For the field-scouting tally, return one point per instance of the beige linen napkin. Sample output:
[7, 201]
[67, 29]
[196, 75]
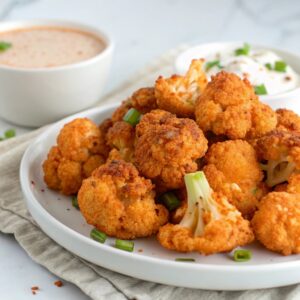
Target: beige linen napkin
[96, 282]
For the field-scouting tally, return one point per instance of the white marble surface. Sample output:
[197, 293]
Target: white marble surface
[142, 31]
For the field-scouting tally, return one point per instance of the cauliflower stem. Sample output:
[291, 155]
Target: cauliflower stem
[200, 200]
[278, 171]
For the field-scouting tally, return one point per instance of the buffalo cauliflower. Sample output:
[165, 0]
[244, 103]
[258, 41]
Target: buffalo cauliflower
[210, 224]
[167, 147]
[287, 120]
[80, 149]
[144, 100]
[232, 169]
[119, 202]
[279, 152]
[277, 222]
[122, 136]
[178, 94]
[228, 106]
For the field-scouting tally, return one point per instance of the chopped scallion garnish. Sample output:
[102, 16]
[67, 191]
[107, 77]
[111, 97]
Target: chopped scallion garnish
[268, 66]
[243, 51]
[132, 117]
[260, 89]
[170, 201]
[9, 133]
[242, 255]
[4, 46]
[98, 236]
[183, 259]
[280, 66]
[211, 64]
[75, 202]
[124, 245]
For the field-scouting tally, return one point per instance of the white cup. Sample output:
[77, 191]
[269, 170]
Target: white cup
[34, 97]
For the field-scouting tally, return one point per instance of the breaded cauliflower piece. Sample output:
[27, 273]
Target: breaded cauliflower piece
[277, 222]
[144, 100]
[167, 147]
[287, 120]
[80, 149]
[228, 106]
[122, 137]
[233, 170]
[119, 202]
[281, 150]
[210, 224]
[178, 94]
[120, 112]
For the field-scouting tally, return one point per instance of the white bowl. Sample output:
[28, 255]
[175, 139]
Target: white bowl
[34, 97]
[290, 99]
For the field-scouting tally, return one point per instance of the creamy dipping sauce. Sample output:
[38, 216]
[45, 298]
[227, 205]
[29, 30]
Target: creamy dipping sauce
[46, 47]
[265, 69]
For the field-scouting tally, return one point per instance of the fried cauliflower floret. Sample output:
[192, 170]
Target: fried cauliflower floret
[233, 169]
[288, 120]
[167, 148]
[80, 149]
[122, 136]
[120, 112]
[281, 151]
[277, 222]
[178, 94]
[210, 224]
[119, 202]
[144, 100]
[228, 106]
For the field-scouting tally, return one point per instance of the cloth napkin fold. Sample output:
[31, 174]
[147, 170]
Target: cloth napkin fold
[98, 283]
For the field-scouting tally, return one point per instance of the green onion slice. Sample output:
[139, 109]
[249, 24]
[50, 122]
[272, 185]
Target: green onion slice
[124, 245]
[98, 236]
[75, 202]
[211, 64]
[260, 90]
[269, 66]
[280, 66]
[4, 46]
[243, 51]
[242, 255]
[183, 259]
[132, 117]
[170, 201]
[9, 133]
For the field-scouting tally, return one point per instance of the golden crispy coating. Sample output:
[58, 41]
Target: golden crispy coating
[122, 136]
[178, 94]
[264, 120]
[220, 235]
[105, 125]
[119, 202]
[144, 100]
[288, 120]
[228, 106]
[232, 168]
[277, 222]
[80, 149]
[120, 112]
[167, 147]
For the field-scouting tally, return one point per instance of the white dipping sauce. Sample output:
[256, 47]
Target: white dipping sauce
[253, 67]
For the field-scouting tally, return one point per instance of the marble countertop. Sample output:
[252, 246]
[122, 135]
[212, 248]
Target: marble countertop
[142, 30]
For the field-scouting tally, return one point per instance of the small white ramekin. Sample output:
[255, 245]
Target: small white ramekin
[289, 100]
[34, 97]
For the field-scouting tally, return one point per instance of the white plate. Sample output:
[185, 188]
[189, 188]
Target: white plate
[64, 224]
